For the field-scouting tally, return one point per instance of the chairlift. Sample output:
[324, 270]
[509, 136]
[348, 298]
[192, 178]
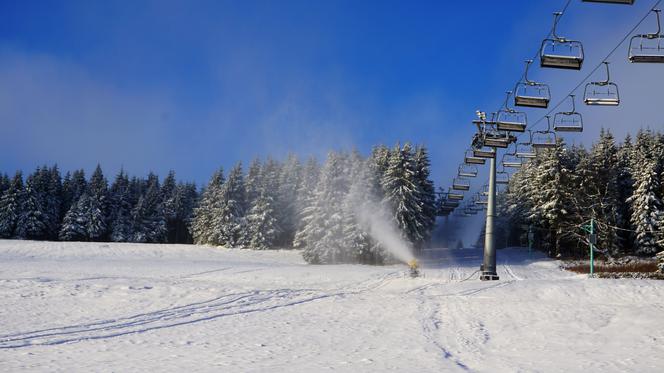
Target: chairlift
[453, 195]
[485, 190]
[531, 94]
[471, 159]
[559, 52]
[467, 170]
[648, 48]
[451, 204]
[603, 92]
[509, 119]
[525, 150]
[481, 199]
[460, 184]
[626, 2]
[487, 133]
[502, 177]
[512, 160]
[485, 153]
[544, 139]
[498, 139]
[568, 121]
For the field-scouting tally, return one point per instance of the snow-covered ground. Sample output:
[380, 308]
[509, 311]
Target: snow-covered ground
[130, 307]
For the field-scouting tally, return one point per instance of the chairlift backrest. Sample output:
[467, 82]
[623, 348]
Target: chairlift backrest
[467, 170]
[460, 184]
[528, 93]
[568, 121]
[546, 139]
[648, 48]
[603, 92]
[509, 119]
[559, 52]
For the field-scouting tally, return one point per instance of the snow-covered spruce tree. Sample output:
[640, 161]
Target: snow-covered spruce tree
[551, 202]
[97, 206]
[202, 228]
[426, 193]
[403, 195]
[261, 228]
[253, 183]
[170, 200]
[323, 233]
[305, 200]
[360, 199]
[10, 206]
[598, 192]
[73, 187]
[228, 210]
[289, 183]
[53, 201]
[149, 223]
[75, 223]
[186, 199]
[120, 220]
[645, 202]
[32, 222]
[625, 185]
[4, 183]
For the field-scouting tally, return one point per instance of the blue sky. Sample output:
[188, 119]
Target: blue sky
[192, 85]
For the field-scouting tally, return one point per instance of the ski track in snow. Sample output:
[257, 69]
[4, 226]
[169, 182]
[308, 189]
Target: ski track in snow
[222, 306]
[145, 307]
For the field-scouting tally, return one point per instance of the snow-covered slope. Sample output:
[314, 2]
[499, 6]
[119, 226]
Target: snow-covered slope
[131, 307]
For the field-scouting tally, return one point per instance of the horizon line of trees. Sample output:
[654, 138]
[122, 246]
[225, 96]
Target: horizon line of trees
[275, 204]
[620, 187]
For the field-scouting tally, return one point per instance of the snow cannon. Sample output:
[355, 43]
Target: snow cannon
[414, 268]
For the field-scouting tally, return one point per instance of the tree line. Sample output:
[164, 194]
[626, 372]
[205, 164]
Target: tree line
[47, 207]
[616, 186]
[313, 207]
[275, 204]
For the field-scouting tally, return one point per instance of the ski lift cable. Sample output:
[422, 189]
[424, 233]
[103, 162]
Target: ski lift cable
[600, 64]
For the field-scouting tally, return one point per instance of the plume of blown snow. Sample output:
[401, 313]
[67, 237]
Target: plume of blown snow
[383, 230]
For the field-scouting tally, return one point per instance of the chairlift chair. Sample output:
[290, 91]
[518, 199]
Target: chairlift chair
[559, 52]
[568, 121]
[525, 150]
[485, 153]
[453, 195]
[511, 160]
[648, 48]
[603, 93]
[461, 184]
[498, 139]
[626, 2]
[509, 119]
[451, 204]
[471, 159]
[467, 170]
[485, 190]
[502, 177]
[531, 94]
[546, 139]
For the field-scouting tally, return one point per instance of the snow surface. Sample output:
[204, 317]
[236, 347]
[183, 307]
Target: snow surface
[140, 307]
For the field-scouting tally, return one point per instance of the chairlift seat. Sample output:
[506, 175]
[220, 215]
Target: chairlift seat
[647, 48]
[512, 164]
[451, 204]
[526, 154]
[483, 153]
[474, 160]
[561, 61]
[455, 196]
[544, 145]
[531, 101]
[568, 122]
[467, 171]
[463, 187]
[511, 126]
[602, 101]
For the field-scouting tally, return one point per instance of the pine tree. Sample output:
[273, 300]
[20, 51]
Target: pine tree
[170, 200]
[305, 200]
[53, 201]
[202, 228]
[289, 183]
[229, 210]
[262, 226]
[120, 220]
[253, 182]
[149, 222]
[402, 193]
[324, 229]
[10, 206]
[76, 221]
[32, 222]
[98, 206]
[426, 193]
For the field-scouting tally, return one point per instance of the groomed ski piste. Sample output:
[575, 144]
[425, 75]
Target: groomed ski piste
[136, 307]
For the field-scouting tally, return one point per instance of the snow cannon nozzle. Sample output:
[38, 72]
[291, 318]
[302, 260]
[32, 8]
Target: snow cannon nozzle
[414, 267]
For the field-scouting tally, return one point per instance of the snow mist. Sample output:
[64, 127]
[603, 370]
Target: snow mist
[382, 229]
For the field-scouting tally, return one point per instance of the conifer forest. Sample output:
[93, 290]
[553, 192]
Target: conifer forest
[316, 206]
